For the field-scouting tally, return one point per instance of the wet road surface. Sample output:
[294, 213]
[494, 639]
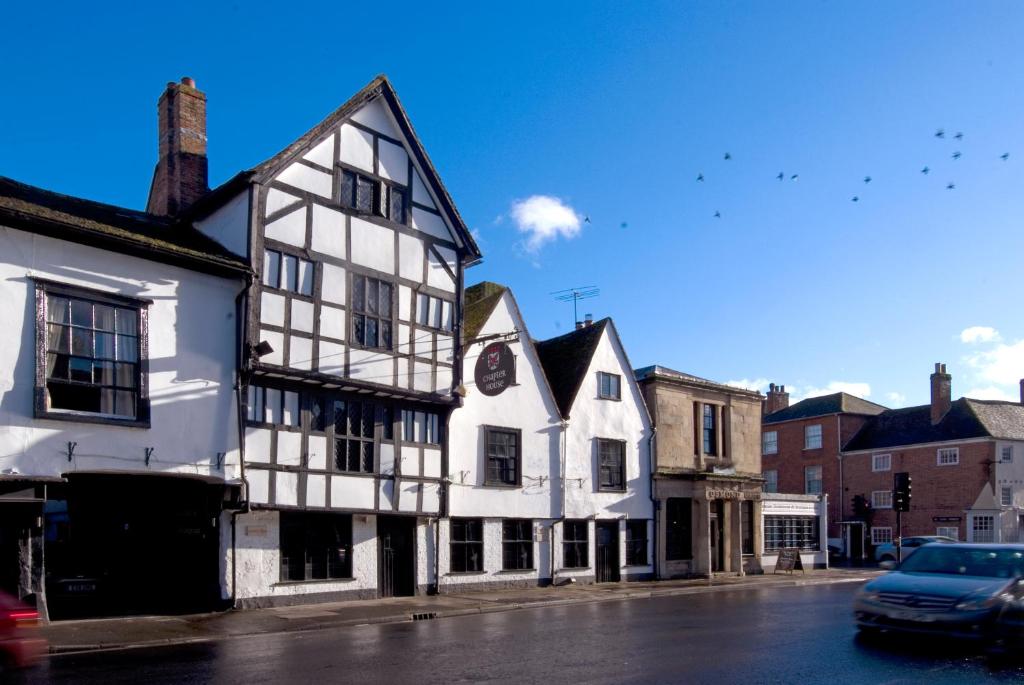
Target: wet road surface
[781, 635]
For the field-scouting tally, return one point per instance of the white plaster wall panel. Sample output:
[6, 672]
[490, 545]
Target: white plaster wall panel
[364, 550]
[300, 353]
[375, 115]
[447, 315]
[371, 365]
[331, 359]
[352, 492]
[286, 490]
[419, 191]
[404, 303]
[229, 225]
[410, 461]
[425, 552]
[408, 500]
[527, 406]
[403, 373]
[278, 199]
[410, 258]
[422, 377]
[445, 348]
[387, 459]
[323, 153]
[272, 309]
[305, 178]
[276, 341]
[290, 228]
[437, 276]
[431, 463]
[404, 346]
[259, 485]
[443, 384]
[317, 452]
[332, 322]
[448, 257]
[423, 343]
[430, 223]
[289, 448]
[316, 490]
[387, 495]
[431, 498]
[257, 445]
[394, 162]
[373, 246]
[328, 232]
[302, 316]
[333, 289]
[356, 147]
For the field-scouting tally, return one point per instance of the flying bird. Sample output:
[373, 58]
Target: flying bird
[925, 171]
[718, 215]
[794, 177]
[586, 219]
[700, 177]
[855, 199]
[950, 186]
[727, 156]
[624, 225]
[956, 155]
[781, 176]
[1005, 156]
[959, 136]
[867, 179]
[940, 133]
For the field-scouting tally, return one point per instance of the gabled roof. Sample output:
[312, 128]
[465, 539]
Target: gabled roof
[115, 228]
[481, 299]
[664, 373]
[836, 403]
[566, 359]
[381, 87]
[913, 425]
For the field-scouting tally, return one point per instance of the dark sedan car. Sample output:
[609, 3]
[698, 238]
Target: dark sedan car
[960, 590]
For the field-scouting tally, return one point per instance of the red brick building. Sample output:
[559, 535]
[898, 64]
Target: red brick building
[801, 444]
[960, 456]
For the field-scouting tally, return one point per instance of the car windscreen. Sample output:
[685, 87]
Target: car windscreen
[988, 563]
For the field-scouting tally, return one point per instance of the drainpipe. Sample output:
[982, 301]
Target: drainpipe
[842, 497]
[654, 499]
[561, 459]
[241, 376]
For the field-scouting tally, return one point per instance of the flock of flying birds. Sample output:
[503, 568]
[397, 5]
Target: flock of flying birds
[782, 176]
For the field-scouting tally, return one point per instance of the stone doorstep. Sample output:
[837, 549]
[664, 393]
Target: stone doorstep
[102, 634]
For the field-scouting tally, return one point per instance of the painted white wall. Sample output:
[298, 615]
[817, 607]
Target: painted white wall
[778, 504]
[191, 350]
[591, 418]
[527, 406]
[492, 570]
[229, 225]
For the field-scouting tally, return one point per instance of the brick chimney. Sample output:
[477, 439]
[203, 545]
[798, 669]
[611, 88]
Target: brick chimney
[777, 399]
[180, 177]
[941, 387]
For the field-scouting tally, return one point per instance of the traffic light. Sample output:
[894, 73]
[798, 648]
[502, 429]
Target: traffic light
[901, 491]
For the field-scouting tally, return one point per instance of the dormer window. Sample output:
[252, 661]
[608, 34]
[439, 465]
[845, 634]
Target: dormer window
[609, 386]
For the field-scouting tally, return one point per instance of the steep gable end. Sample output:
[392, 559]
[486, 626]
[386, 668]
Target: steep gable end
[566, 360]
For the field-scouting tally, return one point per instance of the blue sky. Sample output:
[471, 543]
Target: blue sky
[613, 109]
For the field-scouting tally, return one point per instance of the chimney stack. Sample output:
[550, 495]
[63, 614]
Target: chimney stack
[777, 399]
[588, 320]
[180, 177]
[1022, 390]
[941, 390]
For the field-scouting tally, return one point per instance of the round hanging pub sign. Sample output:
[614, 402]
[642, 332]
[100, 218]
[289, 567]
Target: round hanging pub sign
[495, 369]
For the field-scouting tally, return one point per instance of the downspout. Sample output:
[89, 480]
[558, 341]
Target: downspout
[561, 479]
[842, 498]
[242, 361]
[654, 499]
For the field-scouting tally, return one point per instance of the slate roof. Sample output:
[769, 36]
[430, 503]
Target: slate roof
[480, 300]
[111, 227]
[663, 372]
[566, 359]
[966, 419]
[836, 403]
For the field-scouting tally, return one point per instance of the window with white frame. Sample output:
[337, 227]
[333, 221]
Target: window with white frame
[609, 386]
[982, 528]
[771, 480]
[881, 535]
[812, 437]
[881, 462]
[1006, 496]
[812, 480]
[1006, 456]
[881, 499]
[948, 531]
[433, 312]
[948, 456]
[770, 442]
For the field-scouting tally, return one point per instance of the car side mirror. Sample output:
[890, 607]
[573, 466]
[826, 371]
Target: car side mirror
[887, 565]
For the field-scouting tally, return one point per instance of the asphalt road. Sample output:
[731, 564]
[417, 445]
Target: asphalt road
[783, 635]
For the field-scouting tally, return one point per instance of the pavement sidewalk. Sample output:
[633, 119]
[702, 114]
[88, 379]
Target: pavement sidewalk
[148, 631]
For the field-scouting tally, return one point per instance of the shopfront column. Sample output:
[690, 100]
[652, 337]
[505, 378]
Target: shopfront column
[701, 536]
[735, 535]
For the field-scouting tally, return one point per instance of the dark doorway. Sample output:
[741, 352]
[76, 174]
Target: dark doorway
[715, 536]
[856, 537]
[119, 545]
[607, 551]
[396, 538]
[11, 533]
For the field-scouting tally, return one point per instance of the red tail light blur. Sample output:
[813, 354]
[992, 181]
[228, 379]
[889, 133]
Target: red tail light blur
[24, 618]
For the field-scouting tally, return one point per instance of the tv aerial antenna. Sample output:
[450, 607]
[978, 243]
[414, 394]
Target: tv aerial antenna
[582, 292]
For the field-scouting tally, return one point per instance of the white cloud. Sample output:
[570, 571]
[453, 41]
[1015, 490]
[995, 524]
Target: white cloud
[1003, 364]
[759, 384]
[990, 393]
[979, 334]
[895, 399]
[862, 390]
[544, 218]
